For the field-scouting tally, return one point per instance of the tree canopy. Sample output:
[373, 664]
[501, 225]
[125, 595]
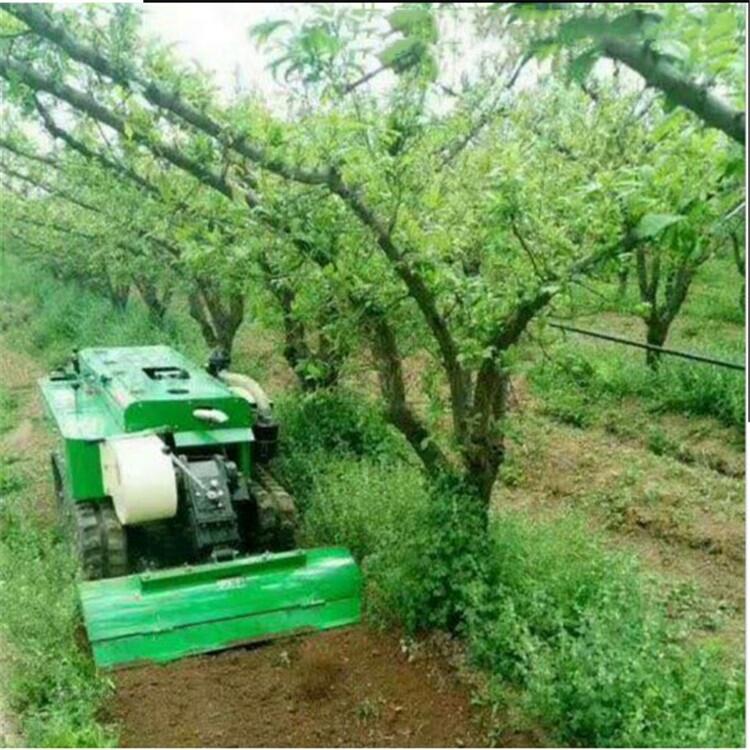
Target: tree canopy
[392, 209]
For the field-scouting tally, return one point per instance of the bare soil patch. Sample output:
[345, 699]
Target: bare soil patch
[354, 687]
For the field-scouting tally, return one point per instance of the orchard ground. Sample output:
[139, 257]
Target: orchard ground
[662, 484]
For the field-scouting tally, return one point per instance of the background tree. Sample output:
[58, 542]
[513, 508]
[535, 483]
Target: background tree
[373, 216]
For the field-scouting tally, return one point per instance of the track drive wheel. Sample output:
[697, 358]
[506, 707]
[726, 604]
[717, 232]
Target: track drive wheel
[100, 540]
[277, 514]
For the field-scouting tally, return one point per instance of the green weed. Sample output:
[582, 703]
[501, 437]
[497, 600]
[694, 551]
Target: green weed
[582, 382]
[575, 624]
[7, 410]
[53, 685]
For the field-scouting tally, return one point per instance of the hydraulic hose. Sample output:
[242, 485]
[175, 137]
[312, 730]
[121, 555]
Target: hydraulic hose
[250, 390]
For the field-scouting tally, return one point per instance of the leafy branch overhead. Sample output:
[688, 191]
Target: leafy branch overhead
[686, 53]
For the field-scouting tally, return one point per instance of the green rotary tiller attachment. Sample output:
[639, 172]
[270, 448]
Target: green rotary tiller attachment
[168, 614]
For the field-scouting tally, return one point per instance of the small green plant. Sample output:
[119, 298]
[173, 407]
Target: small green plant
[576, 626]
[367, 710]
[52, 684]
[659, 443]
[9, 479]
[7, 410]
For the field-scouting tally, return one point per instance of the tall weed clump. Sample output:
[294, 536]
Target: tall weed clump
[576, 627]
[358, 485]
[578, 379]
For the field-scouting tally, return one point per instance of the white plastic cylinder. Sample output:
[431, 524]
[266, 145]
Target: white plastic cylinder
[140, 479]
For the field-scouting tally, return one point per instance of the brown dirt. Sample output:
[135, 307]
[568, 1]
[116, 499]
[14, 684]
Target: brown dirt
[353, 687]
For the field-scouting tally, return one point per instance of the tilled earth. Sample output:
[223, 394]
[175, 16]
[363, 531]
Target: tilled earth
[353, 687]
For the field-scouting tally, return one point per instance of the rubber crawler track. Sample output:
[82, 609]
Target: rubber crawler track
[277, 514]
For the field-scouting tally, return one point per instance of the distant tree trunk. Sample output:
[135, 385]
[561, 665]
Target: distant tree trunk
[739, 261]
[327, 360]
[117, 293]
[665, 294]
[656, 335]
[622, 282]
[218, 314]
[155, 303]
[330, 359]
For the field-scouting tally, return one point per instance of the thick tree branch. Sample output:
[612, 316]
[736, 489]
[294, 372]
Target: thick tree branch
[41, 23]
[391, 377]
[422, 295]
[57, 132]
[660, 74]
[11, 69]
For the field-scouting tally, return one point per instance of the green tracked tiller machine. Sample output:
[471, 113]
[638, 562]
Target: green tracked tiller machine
[186, 540]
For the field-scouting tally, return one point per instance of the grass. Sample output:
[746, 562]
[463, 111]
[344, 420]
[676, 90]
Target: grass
[549, 611]
[715, 297]
[7, 408]
[51, 683]
[581, 380]
[48, 318]
[579, 628]
[581, 377]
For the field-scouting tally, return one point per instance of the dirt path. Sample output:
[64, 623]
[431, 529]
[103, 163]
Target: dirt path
[353, 687]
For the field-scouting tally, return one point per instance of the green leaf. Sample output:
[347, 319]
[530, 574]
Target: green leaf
[543, 48]
[263, 30]
[414, 21]
[651, 225]
[532, 11]
[582, 27]
[673, 49]
[735, 167]
[402, 54]
[633, 22]
[430, 68]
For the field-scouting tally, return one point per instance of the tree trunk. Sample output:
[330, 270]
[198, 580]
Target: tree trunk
[198, 313]
[484, 452]
[117, 293]
[218, 313]
[388, 361]
[622, 282]
[656, 335]
[739, 261]
[156, 305]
